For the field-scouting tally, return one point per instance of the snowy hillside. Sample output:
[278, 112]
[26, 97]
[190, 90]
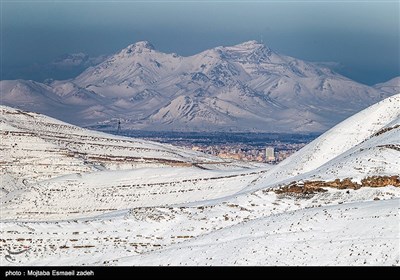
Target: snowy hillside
[364, 144]
[70, 196]
[70, 164]
[43, 141]
[392, 86]
[334, 235]
[246, 87]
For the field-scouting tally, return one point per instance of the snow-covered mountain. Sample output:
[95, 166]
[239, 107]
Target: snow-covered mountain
[392, 86]
[246, 87]
[71, 196]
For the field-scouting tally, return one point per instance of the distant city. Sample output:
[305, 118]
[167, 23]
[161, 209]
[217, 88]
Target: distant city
[252, 147]
[269, 154]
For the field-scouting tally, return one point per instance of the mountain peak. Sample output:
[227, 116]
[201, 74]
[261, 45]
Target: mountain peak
[144, 45]
[253, 44]
[250, 51]
[249, 43]
[138, 47]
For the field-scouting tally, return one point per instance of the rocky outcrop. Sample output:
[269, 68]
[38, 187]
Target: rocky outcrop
[381, 181]
[384, 130]
[311, 187]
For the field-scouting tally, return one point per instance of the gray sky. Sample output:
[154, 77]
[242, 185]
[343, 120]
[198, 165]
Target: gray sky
[364, 37]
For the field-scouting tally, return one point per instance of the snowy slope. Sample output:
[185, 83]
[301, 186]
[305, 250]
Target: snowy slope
[175, 213]
[29, 94]
[66, 171]
[379, 155]
[88, 195]
[360, 142]
[37, 147]
[392, 86]
[119, 237]
[246, 87]
[350, 234]
[63, 100]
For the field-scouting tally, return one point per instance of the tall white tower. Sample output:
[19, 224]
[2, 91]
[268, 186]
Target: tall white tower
[270, 154]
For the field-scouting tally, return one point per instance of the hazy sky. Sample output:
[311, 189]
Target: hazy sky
[362, 36]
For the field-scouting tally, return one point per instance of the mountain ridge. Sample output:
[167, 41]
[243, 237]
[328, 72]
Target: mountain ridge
[242, 88]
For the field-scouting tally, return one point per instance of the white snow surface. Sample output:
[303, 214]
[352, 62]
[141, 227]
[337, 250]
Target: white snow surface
[391, 86]
[331, 235]
[354, 148]
[71, 196]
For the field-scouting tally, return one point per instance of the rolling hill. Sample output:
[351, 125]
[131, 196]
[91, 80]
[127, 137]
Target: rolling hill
[71, 196]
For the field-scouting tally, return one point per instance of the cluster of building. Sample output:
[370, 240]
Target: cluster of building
[268, 154]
